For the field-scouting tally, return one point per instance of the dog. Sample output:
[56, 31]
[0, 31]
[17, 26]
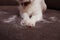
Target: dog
[31, 11]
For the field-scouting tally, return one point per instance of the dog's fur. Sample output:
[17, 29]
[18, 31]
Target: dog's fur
[32, 12]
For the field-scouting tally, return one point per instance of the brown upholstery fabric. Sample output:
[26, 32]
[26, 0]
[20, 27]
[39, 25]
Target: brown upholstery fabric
[43, 30]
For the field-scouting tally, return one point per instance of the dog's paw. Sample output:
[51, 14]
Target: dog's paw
[28, 23]
[22, 22]
[31, 23]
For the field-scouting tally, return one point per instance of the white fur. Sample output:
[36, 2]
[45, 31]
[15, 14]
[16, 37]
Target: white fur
[35, 9]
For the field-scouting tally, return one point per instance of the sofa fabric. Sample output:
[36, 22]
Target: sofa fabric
[12, 30]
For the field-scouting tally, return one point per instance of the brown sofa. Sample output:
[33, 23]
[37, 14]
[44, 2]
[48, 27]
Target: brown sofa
[47, 30]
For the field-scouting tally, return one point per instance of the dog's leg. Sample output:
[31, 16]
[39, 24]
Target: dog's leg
[37, 16]
[25, 19]
[25, 15]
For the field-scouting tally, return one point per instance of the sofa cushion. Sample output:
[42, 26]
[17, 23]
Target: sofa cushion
[54, 4]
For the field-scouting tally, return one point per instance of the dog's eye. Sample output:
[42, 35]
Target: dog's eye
[25, 3]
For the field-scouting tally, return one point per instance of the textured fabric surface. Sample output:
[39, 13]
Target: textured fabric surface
[12, 30]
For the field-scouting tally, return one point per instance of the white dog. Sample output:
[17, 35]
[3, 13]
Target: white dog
[32, 12]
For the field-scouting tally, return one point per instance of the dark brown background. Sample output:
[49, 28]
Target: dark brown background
[55, 4]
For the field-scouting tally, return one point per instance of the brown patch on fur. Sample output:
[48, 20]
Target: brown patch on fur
[25, 4]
